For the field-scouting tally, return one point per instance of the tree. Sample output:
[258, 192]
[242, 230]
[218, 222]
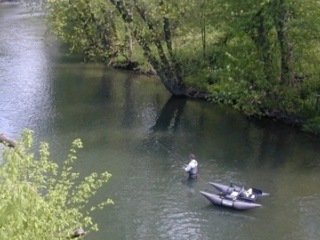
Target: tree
[259, 56]
[41, 201]
[152, 25]
[276, 28]
[88, 27]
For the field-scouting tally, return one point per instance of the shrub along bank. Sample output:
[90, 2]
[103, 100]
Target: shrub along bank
[39, 200]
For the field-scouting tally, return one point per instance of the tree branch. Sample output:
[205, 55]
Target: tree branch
[7, 141]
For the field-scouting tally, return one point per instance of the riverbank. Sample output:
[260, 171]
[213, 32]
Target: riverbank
[268, 113]
[257, 75]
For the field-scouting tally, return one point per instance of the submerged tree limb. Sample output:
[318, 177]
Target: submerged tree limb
[7, 141]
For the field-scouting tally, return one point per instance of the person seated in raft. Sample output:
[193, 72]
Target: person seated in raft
[233, 195]
[192, 167]
[248, 193]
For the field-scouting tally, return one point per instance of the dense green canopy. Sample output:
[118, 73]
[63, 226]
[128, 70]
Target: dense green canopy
[259, 56]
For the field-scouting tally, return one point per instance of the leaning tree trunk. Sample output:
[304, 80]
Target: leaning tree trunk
[165, 64]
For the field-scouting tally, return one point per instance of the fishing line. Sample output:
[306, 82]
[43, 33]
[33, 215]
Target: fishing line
[199, 179]
[177, 155]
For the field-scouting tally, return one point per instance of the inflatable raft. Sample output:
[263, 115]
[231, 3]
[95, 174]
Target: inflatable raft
[224, 200]
[246, 194]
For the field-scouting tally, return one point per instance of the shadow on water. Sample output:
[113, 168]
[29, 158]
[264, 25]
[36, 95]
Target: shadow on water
[229, 212]
[106, 87]
[170, 114]
[128, 105]
[160, 138]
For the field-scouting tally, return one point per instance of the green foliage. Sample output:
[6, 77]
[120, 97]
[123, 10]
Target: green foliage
[239, 95]
[312, 125]
[286, 100]
[38, 200]
[89, 27]
[259, 56]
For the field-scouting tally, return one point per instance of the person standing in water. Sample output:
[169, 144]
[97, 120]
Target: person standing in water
[192, 167]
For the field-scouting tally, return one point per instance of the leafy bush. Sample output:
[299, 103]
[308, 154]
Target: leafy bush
[312, 125]
[39, 200]
[239, 94]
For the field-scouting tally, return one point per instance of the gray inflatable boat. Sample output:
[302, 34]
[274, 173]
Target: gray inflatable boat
[246, 194]
[222, 200]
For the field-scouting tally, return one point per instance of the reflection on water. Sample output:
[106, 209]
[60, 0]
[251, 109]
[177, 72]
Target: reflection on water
[25, 72]
[132, 127]
[170, 114]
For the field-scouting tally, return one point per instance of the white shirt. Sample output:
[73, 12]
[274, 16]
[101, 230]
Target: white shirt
[192, 164]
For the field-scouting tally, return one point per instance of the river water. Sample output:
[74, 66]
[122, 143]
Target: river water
[131, 127]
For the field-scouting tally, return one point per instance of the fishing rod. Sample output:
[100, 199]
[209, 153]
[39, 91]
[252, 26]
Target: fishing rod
[177, 155]
[180, 157]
